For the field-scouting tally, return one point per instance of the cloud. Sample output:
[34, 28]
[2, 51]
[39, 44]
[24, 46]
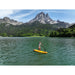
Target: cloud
[5, 12]
[57, 11]
[14, 14]
[20, 16]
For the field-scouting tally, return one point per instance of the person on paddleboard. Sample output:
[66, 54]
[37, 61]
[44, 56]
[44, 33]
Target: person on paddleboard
[39, 48]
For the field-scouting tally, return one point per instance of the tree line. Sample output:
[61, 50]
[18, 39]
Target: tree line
[35, 29]
[64, 32]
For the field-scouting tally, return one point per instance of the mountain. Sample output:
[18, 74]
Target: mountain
[43, 18]
[41, 25]
[10, 21]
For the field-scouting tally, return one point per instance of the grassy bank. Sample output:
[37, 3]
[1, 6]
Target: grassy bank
[35, 36]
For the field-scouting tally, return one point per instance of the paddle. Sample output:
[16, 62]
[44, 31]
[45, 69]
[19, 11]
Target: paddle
[43, 47]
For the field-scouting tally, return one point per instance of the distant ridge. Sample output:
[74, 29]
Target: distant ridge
[43, 18]
[10, 21]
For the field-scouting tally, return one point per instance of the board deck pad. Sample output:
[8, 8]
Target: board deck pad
[39, 51]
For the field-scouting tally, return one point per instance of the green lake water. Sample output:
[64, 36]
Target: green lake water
[19, 51]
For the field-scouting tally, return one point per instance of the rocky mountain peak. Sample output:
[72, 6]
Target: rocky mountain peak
[41, 14]
[47, 15]
[6, 18]
[43, 18]
[10, 21]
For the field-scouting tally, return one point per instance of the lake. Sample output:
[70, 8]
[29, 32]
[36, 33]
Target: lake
[19, 51]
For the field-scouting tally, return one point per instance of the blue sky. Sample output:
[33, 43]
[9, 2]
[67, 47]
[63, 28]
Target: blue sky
[26, 15]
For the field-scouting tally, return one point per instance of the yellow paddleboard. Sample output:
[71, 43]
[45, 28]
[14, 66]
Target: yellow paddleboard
[44, 52]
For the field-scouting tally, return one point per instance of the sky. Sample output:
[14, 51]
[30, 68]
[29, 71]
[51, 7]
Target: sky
[22, 15]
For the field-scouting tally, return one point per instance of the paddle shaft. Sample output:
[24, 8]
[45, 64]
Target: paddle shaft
[43, 47]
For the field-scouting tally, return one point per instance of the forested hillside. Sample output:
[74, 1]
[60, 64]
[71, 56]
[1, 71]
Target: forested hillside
[64, 32]
[35, 29]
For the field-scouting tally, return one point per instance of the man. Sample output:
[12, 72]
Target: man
[39, 48]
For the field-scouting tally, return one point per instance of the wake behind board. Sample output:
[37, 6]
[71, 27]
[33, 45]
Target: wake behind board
[39, 51]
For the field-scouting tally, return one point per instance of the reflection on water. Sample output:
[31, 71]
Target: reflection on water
[19, 51]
